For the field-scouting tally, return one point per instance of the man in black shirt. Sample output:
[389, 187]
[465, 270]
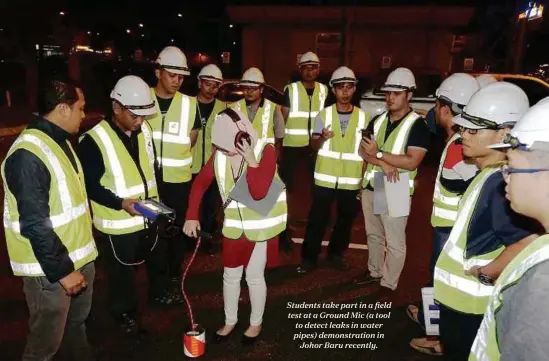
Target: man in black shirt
[49, 234]
[118, 161]
[398, 142]
[207, 108]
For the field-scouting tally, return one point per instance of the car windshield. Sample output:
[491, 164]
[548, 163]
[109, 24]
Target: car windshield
[427, 85]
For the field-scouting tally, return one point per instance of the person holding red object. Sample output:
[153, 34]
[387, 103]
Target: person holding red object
[250, 240]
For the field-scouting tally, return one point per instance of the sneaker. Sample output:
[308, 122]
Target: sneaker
[366, 278]
[306, 267]
[427, 346]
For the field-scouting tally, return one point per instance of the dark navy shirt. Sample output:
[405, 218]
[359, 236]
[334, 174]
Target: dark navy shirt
[493, 223]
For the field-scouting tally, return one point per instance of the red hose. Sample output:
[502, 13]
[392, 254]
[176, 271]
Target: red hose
[189, 307]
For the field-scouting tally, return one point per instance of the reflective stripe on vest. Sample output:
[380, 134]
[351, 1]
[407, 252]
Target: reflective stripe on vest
[445, 203]
[34, 269]
[120, 169]
[239, 218]
[203, 147]
[297, 131]
[70, 217]
[173, 143]
[453, 288]
[265, 127]
[394, 144]
[486, 345]
[338, 163]
[70, 211]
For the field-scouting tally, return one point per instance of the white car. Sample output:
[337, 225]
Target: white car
[373, 100]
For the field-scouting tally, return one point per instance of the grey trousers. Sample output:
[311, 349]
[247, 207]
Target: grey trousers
[55, 317]
[386, 238]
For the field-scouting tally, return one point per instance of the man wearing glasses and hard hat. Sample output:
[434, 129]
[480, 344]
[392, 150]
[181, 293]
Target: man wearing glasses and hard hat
[487, 234]
[515, 323]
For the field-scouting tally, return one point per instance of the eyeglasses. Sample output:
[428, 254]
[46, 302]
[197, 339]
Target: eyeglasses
[506, 170]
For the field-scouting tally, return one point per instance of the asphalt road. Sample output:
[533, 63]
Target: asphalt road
[278, 339]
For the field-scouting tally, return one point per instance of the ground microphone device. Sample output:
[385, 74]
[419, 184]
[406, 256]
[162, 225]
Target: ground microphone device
[152, 209]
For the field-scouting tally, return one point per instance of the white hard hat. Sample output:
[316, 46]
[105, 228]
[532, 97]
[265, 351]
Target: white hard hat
[531, 128]
[486, 79]
[252, 77]
[211, 72]
[135, 95]
[343, 75]
[399, 80]
[498, 104]
[308, 58]
[458, 88]
[544, 100]
[173, 60]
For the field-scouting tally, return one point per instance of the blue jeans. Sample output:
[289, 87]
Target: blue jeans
[440, 236]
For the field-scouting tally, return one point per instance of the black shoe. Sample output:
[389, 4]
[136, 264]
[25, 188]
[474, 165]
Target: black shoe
[336, 262]
[217, 338]
[366, 279]
[248, 341]
[130, 324]
[305, 268]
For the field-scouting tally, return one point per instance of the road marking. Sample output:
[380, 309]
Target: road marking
[325, 243]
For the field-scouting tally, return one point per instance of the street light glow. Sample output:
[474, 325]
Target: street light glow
[230, 26]
[61, 13]
[234, 42]
[180, 15]
[128, 31]
[140, 25]
[89, 32]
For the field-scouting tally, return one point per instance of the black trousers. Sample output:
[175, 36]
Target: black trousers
[293, 158]
[319, 217]
[457, 333]
[121, 251]
[176, 196]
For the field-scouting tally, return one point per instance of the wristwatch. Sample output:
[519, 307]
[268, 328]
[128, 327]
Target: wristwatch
[379, 155]
[484, 279]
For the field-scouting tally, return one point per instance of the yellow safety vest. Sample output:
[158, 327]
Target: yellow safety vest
[69, 211]
[122, 177]
[173, 142]
[239, 218]
[395, 144]
[202, 150]
[297, 132]
[445, 203]
[486, 345]
[338, 164]
[263, 121]
[453, 288]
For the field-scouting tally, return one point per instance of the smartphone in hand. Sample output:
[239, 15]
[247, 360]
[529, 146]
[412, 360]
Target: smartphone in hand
[366, 133]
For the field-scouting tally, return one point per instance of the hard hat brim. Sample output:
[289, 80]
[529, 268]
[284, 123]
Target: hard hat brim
[393, 88]
[209, 77]
[144, 112]
[251, 83]
[309, 62]
[175, 69]
[462, 122]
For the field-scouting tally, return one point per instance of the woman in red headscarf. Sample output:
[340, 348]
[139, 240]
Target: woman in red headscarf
[250, 240]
